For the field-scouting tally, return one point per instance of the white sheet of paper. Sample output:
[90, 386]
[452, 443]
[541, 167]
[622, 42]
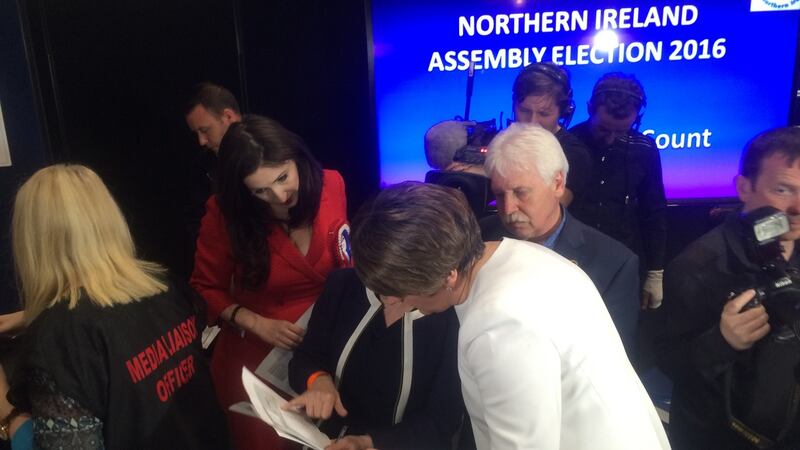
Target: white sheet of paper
[245, 408]
[209, 334]
[290, 425]
[275, 367]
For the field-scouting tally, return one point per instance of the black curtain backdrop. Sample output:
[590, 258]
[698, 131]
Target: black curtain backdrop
[308, 66]
[28, 150]
[110, 80]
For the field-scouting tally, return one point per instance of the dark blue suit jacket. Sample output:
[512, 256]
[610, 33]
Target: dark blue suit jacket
[612, 267]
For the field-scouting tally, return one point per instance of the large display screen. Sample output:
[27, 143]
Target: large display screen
[715, 72]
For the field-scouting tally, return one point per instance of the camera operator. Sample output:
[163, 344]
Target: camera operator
[542, 94]
[733, 366]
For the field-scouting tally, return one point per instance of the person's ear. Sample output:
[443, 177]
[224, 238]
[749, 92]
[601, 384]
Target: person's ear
[744, 188]
[559, 183]
[451, 280]
[389, 300]
[229, 116]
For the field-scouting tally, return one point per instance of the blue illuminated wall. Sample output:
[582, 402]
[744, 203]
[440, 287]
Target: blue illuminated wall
[737, 83]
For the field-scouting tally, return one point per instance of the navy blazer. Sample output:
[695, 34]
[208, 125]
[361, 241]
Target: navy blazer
[612, 267]
[372, 376]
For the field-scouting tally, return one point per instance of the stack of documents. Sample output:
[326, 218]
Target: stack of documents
[265, 404]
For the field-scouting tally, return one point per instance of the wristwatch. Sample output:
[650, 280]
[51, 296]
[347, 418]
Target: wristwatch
[5, 424]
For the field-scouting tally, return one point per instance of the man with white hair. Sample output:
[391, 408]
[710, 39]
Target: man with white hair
[528, 172]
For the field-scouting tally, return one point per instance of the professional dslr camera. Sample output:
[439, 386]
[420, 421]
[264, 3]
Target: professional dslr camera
[779, 284]
[478, 138]
[778, 289]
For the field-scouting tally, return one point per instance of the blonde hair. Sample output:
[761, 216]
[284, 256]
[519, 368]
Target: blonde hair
[70, 240]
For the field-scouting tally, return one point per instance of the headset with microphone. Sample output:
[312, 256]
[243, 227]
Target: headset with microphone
[637, 95]
[560, 76]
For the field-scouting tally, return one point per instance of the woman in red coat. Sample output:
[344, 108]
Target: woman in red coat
[267, 242]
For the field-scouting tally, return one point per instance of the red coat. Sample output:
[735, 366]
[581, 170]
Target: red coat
[295, 281]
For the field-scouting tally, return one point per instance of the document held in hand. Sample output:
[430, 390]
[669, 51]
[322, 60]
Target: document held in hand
[275, 367]
[266, 403]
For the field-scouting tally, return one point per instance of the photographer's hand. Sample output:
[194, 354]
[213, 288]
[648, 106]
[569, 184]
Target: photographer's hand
[741, 329]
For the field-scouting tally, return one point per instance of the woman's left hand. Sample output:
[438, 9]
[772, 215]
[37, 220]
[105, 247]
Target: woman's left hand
[11, 324]
[279, 333]
[362, 442]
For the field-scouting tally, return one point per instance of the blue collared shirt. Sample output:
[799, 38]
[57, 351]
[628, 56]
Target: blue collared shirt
[550, 242]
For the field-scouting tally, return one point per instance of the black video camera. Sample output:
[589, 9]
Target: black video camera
[478, 138]
[778, 288]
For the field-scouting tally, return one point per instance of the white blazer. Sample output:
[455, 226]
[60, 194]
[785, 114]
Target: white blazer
[541, 363]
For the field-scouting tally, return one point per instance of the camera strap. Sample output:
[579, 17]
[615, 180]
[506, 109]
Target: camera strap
[755, 438]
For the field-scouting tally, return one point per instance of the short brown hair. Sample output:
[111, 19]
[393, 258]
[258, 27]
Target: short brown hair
[545, 78]
[784, 141]
[212, 97]
[621, 94]
[411, 235]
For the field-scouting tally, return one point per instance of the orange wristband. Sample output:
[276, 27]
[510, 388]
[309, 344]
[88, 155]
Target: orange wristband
[313, 378]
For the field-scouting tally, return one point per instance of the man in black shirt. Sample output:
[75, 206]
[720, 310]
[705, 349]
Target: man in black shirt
[625, 198]
[542, 94]
[209, 111]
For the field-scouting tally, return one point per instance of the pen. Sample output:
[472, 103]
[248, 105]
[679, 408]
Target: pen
[341, 433]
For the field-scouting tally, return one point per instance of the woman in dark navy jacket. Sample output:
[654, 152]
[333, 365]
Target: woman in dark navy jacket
[381, 375]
